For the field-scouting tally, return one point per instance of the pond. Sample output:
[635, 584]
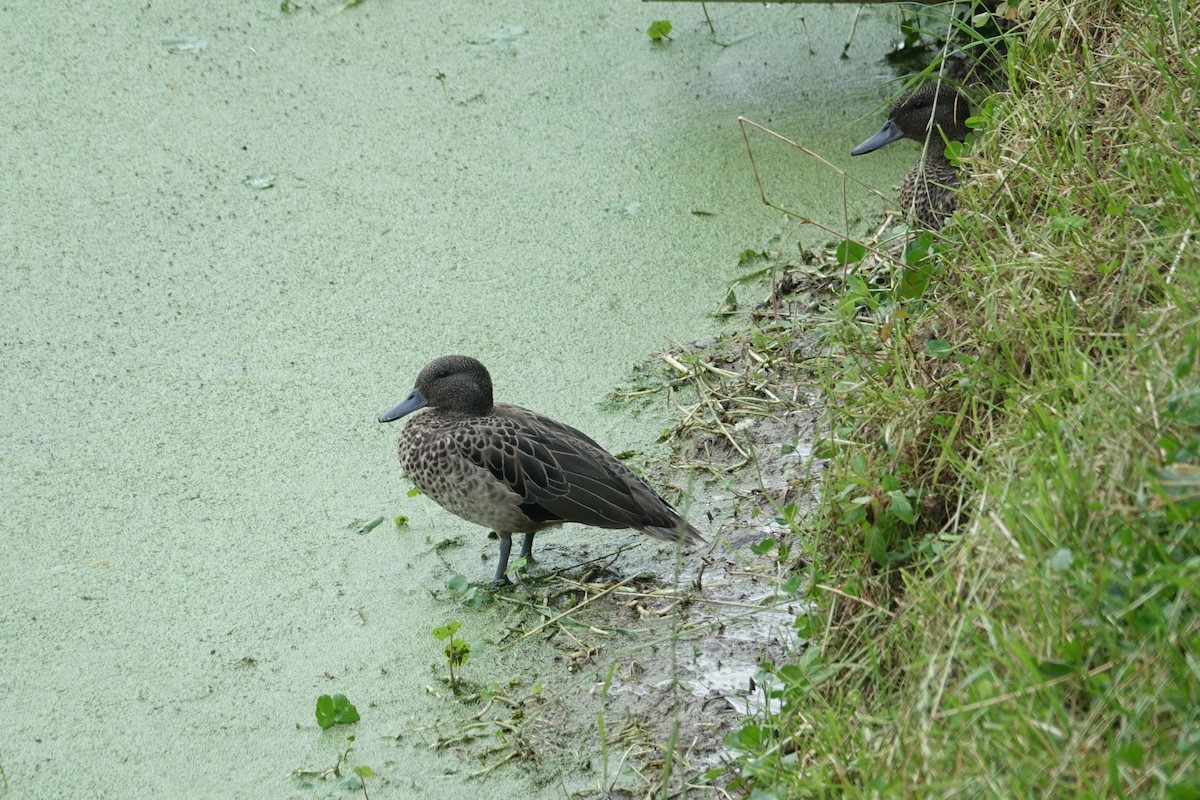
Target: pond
[233, 233]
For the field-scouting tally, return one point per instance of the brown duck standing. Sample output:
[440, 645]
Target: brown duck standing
[935, 114]
[515, 471]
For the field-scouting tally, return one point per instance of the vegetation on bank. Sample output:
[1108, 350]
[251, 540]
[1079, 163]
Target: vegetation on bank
[1006, 562]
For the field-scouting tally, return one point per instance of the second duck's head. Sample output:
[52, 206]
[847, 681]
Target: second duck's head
[919, 113]
[458, 384]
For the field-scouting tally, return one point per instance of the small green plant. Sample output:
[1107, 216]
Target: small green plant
[362, 772]
[471, 596]
[458, 650]
[335, 710]
[517, 567]
[658, 30]
[354, 782]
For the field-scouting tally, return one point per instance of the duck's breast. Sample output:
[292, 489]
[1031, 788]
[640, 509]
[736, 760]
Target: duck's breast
[433, 456]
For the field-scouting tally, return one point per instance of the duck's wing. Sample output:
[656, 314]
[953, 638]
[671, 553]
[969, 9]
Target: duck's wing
[561, 474]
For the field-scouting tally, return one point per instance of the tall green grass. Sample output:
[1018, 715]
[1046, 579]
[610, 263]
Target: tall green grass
[1007, 560]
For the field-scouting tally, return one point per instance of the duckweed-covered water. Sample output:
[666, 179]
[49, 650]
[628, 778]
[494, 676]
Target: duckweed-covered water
[232, 235]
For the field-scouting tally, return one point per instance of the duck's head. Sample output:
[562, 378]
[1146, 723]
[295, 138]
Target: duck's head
[451, 383]
[918, 113]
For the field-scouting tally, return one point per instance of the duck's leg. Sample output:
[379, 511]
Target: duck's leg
[505, 548]
[527, 548]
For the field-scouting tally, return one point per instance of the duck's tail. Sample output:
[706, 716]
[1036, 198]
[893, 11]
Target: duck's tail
[681, 532]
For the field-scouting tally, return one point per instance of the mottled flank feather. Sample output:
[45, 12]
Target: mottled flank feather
[515, 471]
[928, 193]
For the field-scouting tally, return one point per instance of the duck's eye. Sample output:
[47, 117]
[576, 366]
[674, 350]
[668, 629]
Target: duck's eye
[442, 373]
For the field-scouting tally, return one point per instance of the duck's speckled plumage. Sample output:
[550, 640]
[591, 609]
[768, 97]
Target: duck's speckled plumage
[930, 114]
[513, 470]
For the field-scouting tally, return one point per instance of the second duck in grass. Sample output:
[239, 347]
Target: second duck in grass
[515, 471]
[936, 114]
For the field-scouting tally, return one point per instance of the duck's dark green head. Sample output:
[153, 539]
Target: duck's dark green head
[451, 383]
[919, 112]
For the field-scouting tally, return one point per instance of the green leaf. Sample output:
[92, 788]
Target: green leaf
[877, 546]
[901, 508]
[806, 627]
[1067, 222]
[325, 711]
[763, 547]
[364, 771]
[984, 114]
[414, 492]
[446, 631]
[953, 151]
[918, 250]
[794, 675]
[939, 349]
[1132, 754]
[474, 598]
[914, 281]
[1050, 668]
[457, 583]
[749, 737]
[335, 710]
[659, 29]
[458, 652]
[849, 252]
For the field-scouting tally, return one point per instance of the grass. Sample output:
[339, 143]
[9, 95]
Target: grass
[1008, 531]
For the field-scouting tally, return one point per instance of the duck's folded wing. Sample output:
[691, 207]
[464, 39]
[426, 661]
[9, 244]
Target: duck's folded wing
[561, 474]
[604, 488]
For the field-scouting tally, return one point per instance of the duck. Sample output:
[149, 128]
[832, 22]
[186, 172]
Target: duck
[932, 113]
[513, 470]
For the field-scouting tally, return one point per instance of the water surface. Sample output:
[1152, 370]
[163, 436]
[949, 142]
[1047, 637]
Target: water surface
[232, 236]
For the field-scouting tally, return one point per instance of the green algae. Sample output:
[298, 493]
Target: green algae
[193, 367]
